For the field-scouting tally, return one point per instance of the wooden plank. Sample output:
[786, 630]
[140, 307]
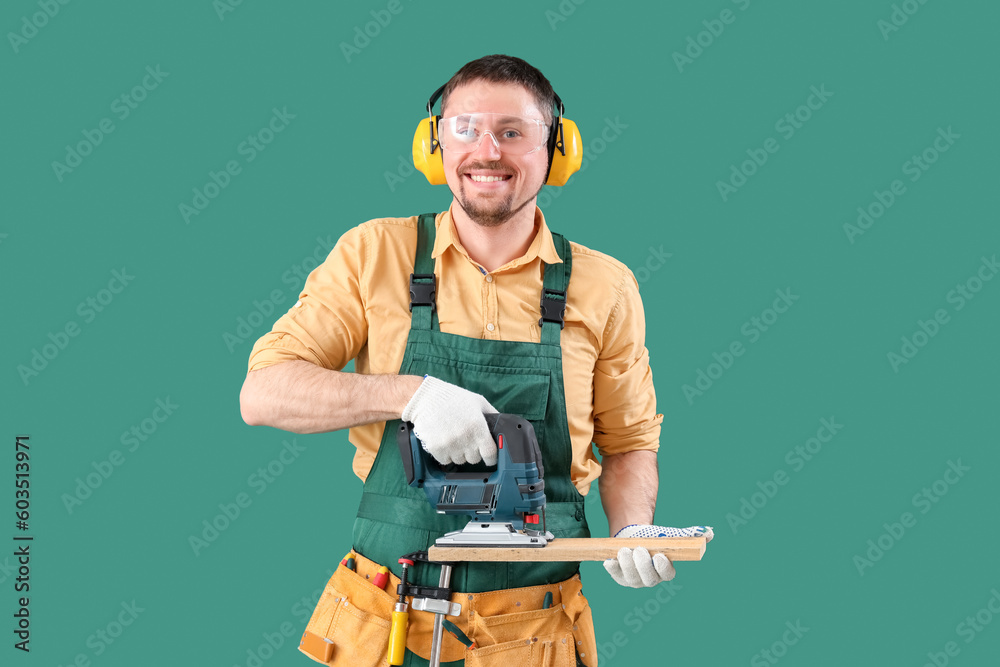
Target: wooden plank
[576, 549]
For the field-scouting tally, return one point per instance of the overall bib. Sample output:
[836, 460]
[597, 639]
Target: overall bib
[521, 378]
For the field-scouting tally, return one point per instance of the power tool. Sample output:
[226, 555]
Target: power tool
[506, 503]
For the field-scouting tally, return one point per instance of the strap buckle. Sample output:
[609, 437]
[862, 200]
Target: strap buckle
[422, 293]
[553, 307]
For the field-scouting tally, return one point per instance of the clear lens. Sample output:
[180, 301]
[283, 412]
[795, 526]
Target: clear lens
[514, 135]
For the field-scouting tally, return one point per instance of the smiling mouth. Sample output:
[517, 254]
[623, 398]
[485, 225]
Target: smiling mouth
[487, 179]
[478, 178]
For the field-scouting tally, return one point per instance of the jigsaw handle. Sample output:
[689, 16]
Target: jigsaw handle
[520, 447]
[512, 492]
[403, 437]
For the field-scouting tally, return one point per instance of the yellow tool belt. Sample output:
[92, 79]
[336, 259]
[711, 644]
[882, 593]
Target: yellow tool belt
[350, 625]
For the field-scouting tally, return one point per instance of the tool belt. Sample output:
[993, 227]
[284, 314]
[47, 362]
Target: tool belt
[350, 625]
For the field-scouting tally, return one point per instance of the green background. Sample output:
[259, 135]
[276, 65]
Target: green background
[653, 188]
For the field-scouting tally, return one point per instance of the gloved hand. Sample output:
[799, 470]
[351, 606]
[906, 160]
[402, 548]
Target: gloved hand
[635, 568]
[449, 422]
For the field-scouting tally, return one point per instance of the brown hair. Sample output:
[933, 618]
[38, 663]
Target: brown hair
[505, 69]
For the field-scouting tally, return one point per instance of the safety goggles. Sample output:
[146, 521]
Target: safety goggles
[511, 134]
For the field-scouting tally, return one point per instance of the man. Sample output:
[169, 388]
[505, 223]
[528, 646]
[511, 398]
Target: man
[481, 345]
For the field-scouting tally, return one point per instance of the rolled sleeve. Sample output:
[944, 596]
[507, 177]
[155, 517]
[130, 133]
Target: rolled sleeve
[625, 417]
[327, 325]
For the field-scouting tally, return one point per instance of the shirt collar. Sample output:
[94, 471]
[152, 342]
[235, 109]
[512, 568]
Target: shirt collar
[541, 246]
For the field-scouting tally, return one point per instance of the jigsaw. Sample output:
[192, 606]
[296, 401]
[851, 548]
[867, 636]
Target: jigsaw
[505, 503]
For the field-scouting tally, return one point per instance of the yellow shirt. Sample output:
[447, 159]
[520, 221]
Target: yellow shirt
[345, 311]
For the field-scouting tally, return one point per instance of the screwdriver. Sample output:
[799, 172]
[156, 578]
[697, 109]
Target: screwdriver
[400, 620]
[458, 634]
[381, 578]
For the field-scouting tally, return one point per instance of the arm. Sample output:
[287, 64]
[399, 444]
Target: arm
[302, 397]
[292, 383]
[628, 485]
[626, 423]
[627, 430]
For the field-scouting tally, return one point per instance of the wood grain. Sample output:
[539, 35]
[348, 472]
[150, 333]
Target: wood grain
[576, 549]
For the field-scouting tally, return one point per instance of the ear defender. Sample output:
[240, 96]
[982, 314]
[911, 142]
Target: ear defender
[564, 145]
[427, 151]
[565, 149]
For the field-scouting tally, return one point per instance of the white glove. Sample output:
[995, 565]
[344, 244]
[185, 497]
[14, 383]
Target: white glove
[449, 422]
[635, 568]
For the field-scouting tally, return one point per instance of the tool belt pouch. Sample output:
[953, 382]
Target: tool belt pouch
[350, 625]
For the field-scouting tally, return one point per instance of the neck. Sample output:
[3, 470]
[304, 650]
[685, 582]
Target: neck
[492, 247]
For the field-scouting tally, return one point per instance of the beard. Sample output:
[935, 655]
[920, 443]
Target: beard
[490, 212]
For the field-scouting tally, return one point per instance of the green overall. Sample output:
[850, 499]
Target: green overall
[521, 378]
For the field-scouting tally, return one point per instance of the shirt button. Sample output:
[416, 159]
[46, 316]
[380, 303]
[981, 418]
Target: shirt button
[490, 327]
[489, 278]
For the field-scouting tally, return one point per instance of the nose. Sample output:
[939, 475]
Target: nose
[487, 150]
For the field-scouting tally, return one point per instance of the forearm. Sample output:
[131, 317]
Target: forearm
[301, 397]
[628, 486]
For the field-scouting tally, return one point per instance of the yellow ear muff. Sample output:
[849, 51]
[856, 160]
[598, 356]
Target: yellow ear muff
[568, 153]
[427, 152]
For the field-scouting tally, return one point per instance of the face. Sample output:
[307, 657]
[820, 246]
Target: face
[491, 203]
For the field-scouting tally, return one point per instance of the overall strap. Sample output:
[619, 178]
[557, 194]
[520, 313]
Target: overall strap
[556, 280]
[423, 284]
[422, 281]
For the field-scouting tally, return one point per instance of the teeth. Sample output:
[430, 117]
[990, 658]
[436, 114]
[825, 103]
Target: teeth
[487, 179]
